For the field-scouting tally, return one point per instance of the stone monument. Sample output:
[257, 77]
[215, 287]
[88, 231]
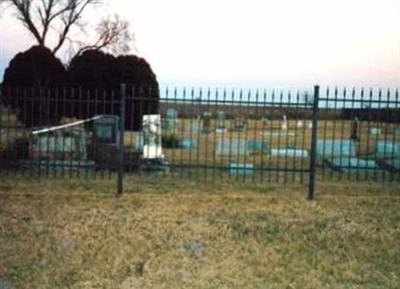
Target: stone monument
[152, 148]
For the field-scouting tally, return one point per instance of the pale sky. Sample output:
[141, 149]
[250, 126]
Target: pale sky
[259, 43]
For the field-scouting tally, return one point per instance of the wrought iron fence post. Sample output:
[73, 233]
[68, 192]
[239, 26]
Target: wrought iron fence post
[121, 139]
[313, 157]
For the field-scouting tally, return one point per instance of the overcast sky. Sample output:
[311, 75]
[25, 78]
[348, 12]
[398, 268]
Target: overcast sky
[254, 42]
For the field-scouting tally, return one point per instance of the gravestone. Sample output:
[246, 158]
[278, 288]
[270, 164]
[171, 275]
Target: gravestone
[106, 138]
[284, 125]
[387, 149]
[171, 120]
[206, 118]
[336, 148]
[277, 133]
[354, 128]
[188, 143]
[396, 131]
[64, 144]
[152, 148]
[310, 125]
[231, 146]
[375, 131]
[352, 163]
[139, 141]
[300, 124]
[265, 121]
[221, 122]
[240, 123]
[241, 169]
[289, 152]
[106, 130]
[256, 146]
[393, 164]
[194, 126]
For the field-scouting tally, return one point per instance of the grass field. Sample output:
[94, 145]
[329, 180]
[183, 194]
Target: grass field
[170, 234]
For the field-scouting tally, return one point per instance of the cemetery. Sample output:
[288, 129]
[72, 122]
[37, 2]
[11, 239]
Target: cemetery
[221, 178]
[238, 159]
[216, 165]
[212, 138]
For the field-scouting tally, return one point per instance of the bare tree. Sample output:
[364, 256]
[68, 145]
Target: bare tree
[113, 35]
[42, 16]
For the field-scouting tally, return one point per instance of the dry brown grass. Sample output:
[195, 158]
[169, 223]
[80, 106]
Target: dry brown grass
[187, 234]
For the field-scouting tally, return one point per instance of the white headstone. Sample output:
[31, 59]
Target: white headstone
[310, 125]
[152, 148]
[289, 152]
[284, 123]
[300, 124]
[375, 131]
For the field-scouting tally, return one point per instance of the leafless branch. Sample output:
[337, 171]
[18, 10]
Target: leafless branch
[113, 35]
[38, 16]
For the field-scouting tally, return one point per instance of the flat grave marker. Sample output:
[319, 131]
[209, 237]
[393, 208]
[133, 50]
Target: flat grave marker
[277, 133]
[257, 146]
[289, 152]
[393, 164]
[188, 143]
[387, 149]
[231, 146]
[396, 131]
[336, 148]
[241, 168]
[352, 163]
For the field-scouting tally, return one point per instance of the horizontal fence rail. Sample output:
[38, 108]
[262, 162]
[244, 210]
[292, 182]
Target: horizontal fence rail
[256, 135]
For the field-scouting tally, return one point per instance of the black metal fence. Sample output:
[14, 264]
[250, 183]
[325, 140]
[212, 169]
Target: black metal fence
[261, 136]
